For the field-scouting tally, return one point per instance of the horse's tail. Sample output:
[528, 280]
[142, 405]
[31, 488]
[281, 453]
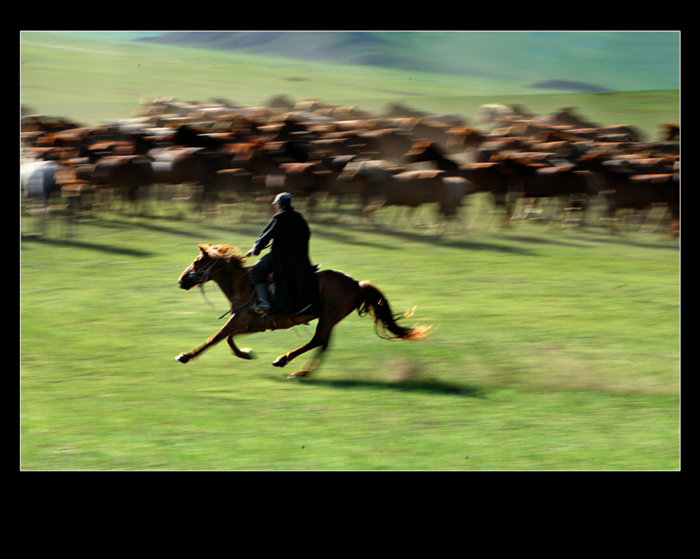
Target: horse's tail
[371, 299]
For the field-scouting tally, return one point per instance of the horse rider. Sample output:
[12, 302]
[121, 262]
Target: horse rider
[295, 280]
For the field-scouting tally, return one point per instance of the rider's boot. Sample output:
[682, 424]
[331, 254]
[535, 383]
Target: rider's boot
[262, 305]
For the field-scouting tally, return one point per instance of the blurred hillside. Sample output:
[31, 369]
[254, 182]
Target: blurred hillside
[563, 61]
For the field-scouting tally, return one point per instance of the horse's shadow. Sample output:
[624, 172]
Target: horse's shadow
[426, 385]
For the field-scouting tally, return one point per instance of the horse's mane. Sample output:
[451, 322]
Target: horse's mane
[228, 251]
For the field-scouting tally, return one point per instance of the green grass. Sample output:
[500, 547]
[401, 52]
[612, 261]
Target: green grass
[550, 349]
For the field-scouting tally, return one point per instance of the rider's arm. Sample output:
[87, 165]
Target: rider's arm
[264, 239]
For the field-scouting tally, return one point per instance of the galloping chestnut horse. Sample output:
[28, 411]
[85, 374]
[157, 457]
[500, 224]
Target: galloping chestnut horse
[340, 295]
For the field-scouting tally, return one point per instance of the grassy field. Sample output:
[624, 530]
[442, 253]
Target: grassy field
[550, 349]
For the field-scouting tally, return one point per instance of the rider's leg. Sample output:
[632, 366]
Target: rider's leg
[258, 276]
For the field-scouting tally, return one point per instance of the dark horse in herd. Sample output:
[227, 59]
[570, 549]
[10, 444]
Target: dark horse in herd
[340, 295]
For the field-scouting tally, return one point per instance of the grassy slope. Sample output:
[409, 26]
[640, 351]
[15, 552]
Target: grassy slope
[617, 61]
[95, 80]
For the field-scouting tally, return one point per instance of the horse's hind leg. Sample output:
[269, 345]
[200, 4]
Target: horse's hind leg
[320, 339]
[243, 353]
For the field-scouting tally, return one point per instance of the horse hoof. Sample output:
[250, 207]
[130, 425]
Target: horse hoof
[298, 374]
[279, 362]
[247, 353]
[182, 358]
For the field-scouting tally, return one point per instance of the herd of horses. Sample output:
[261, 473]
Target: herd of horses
[215, 153]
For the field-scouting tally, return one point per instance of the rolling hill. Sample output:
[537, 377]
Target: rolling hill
[569, 61]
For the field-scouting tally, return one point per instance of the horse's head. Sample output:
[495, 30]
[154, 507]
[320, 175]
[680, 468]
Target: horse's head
[212, 259]
[197, 272]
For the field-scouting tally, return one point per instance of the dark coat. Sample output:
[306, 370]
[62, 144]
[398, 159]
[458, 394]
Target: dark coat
[295, 279]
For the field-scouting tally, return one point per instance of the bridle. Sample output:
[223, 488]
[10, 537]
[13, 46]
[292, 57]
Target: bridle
[200, 277]
[205, 274]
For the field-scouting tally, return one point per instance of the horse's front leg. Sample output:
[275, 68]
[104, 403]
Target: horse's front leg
[233, 325]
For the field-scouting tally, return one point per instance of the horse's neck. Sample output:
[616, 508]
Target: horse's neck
[233, 282]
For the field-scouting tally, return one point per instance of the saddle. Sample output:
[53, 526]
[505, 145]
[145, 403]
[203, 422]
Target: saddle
[271, 286]
[270, 280]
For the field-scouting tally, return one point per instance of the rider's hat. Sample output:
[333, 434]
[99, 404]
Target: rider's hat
[283, 198]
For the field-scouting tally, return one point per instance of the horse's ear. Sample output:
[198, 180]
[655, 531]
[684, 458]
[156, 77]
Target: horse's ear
[204, 249]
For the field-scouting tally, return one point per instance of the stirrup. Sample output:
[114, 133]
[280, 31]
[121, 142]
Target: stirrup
[261, 309]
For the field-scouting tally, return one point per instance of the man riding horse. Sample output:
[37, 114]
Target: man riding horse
[295, 280]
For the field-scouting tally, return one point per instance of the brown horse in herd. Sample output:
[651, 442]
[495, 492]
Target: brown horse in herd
[340, 295]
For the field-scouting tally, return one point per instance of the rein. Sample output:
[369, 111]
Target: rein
[205, 275]
[204, 296]
[232, 310]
